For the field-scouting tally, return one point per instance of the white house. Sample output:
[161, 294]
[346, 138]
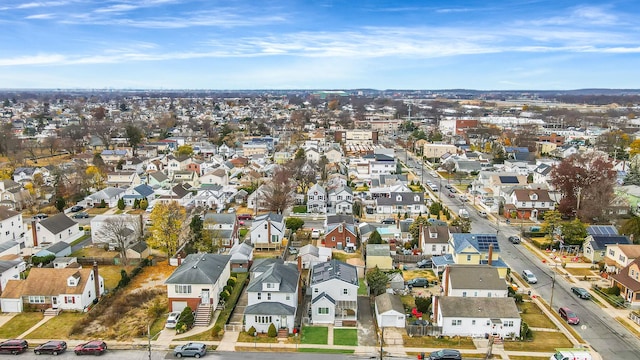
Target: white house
[110, 195]
[105, 229]
[273, 298]
[401, 202]
[267, 231]
[619, 256]
[317, 200]
[477, 316]
[341, 200]
[334, 293]
[66, 288]
[310, 255]
[10, 270]
[222, 227]
[435, 240]
[198, 280]
[218, 176]
[473, 281]
[57, 228]
[390, 311]
[11, 226]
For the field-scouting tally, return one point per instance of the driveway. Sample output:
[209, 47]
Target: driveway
[366, 327]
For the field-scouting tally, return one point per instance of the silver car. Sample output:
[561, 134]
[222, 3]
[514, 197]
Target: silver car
[194, 349]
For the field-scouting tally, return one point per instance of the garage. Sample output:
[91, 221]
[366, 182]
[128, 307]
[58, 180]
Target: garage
[178, 305]
[389, 311]
[11, 305]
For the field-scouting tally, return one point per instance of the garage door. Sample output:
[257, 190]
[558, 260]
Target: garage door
[178, 305]
[11, 305]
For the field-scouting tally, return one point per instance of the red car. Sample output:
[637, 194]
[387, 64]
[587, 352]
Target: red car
[95, 347]
[245, 217]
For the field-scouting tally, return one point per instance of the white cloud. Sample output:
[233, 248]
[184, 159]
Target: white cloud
[40, 16]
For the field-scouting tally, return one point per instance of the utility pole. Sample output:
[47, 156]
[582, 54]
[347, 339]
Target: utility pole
[381, 341]
[149, 336]
[553, 284]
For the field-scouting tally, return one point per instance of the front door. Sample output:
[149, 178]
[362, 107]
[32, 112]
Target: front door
[284, 323]
[54, 302]
[204, 296]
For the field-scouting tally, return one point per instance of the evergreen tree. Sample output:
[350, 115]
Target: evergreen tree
[121, 204]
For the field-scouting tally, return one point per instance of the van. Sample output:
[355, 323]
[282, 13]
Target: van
[571, 354]
[463, 213]
[529, 277]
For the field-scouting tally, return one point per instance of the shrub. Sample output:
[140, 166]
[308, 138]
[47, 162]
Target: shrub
[181, 327]
[272, 331]
[228, 289]
[187, 317]
[232, 281]
[224, 295]
[518, 298]
[423, 304]
[252, 331]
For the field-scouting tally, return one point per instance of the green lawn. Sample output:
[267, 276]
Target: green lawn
[57, 327]
[314, 335]
[345, 337]
[362, 287]
[19, 324]
[542, 341]
[534, 317]
[435, 342]
[325, 351]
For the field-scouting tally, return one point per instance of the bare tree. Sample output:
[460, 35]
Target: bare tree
[120, 230]
[51, 143]
[279, 193]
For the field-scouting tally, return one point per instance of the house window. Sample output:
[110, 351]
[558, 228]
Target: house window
[456, 322]
[464, 294]
[36, 299]
[323, 311]
[183, 289]
[315, 290]
[275, 239]
[259, 296]
[489, 294]
[263, 319]
[475, 294]
[265, 226]
[288, 297]
[468, 257]
[611, 252]
[345, 291]
[622, 258]
[69, 299]
[473, 322]
[268, 296]
[348, 239]
[488, 322]
[508, 323]
[433, 248]
[269, 285]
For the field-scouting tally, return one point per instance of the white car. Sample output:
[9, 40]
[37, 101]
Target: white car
[172, 320]
[529, 277]
[315, 233]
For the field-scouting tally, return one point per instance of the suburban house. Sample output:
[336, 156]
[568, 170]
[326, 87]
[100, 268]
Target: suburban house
[477, 316]
[310, 255]
[10, 270]
[340, 232]
[390, 311]
[267, 231]
[618, 256]
[109, 195]
[11, 226]
[473, 281]
[628, 281]
[123, 178]
[241, 257]
[218, 176]
[529, 203]
[273, 298]
[378, 255]
[138, 250]
[472, 249]
[340, 200]
[317, 200]
[65, 288]
[401, 203]
[140, 192]
[59, 249]
[57, 228]
[223, 228]
[198, 282]
[9, 249]
[599, 236]
[334, 293]
[434, 240]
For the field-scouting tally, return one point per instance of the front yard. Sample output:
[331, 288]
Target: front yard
[56, 327]
[455, 342]
[542, 341]
[314, 335]
[345, 337]
[534, 317]
[19, 324]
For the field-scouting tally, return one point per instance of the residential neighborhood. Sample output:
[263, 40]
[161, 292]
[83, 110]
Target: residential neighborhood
[379, 221]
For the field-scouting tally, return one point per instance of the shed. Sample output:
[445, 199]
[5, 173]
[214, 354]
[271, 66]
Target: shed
[396, 281]
[390, 311]
[139, 250]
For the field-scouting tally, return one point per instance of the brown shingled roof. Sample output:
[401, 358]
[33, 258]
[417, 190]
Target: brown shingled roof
[47, 282]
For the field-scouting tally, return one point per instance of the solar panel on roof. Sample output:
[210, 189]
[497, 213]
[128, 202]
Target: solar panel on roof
[602, 230]
[508, 179]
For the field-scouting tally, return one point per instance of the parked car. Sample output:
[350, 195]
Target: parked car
[41, 216]
[194, 349]
[293, 250]
[94, 347]
[420, 322]
[514, 239]
[80, 215]
[77, 208]
[231, 210]
[425, 263]
[14, 346]
[451, 195]
[315, 233]
[388, 221]
[53, 347]
[581, 292]
[482, 213]
[568, 315]
[245, 217]
[172, 320]
[418, 282]
[529, 277]
[445, 354]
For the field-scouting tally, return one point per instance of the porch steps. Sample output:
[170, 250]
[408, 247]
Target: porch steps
[283, 333]
[52, 312]
[337, 323]
[203, 315]
[497, 340]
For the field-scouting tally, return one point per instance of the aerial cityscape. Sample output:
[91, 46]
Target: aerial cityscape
[331, 179]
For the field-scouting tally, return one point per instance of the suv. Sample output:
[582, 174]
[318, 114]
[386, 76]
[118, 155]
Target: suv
[80, 215]
[568, 315]
[445, 354]
[190, 349]
[514, 239]
[245, 217]
[15, 346]
[172, 320]
[95, 347]
[53, 347]
[77, 208]
[418, 282]
[425, 263]
[529, 277]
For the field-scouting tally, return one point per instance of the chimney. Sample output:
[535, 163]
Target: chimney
[268, 231]
[490, 254]
[300, 264]
[445, 278]
[96, 279]
[435, 309]
[34, 233]
[179, 259]
[420, 237]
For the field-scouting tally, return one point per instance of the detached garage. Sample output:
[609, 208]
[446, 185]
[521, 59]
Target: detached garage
[390, 311]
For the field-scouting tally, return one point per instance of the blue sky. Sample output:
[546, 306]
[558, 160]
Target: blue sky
[319, 44]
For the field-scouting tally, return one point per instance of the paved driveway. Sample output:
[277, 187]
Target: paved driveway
[366, 327]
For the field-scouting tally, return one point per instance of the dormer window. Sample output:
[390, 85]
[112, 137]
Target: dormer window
[399, 198]
[416, 198]
[73, 280]
[533, 197]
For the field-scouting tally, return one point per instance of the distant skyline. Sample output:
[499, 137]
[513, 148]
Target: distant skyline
[320, 44]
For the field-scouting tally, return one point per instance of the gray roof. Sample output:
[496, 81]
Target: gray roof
[478, 307]
[6, 245]
[144, 190]
[270, 308]
[406, 198]
[278, 218]
[240, 252]
[58, 223]
[286, 275]
[57, 247]
[378, 250]
[386, 302]
[262, 265]
[8, 264]
[476, 277]
[340, 218]
[199, 269]
[334, 269]
[216, 218]
[6, 213]
[323, 295]
[309, 249]
[139, 247]
[106, 193]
